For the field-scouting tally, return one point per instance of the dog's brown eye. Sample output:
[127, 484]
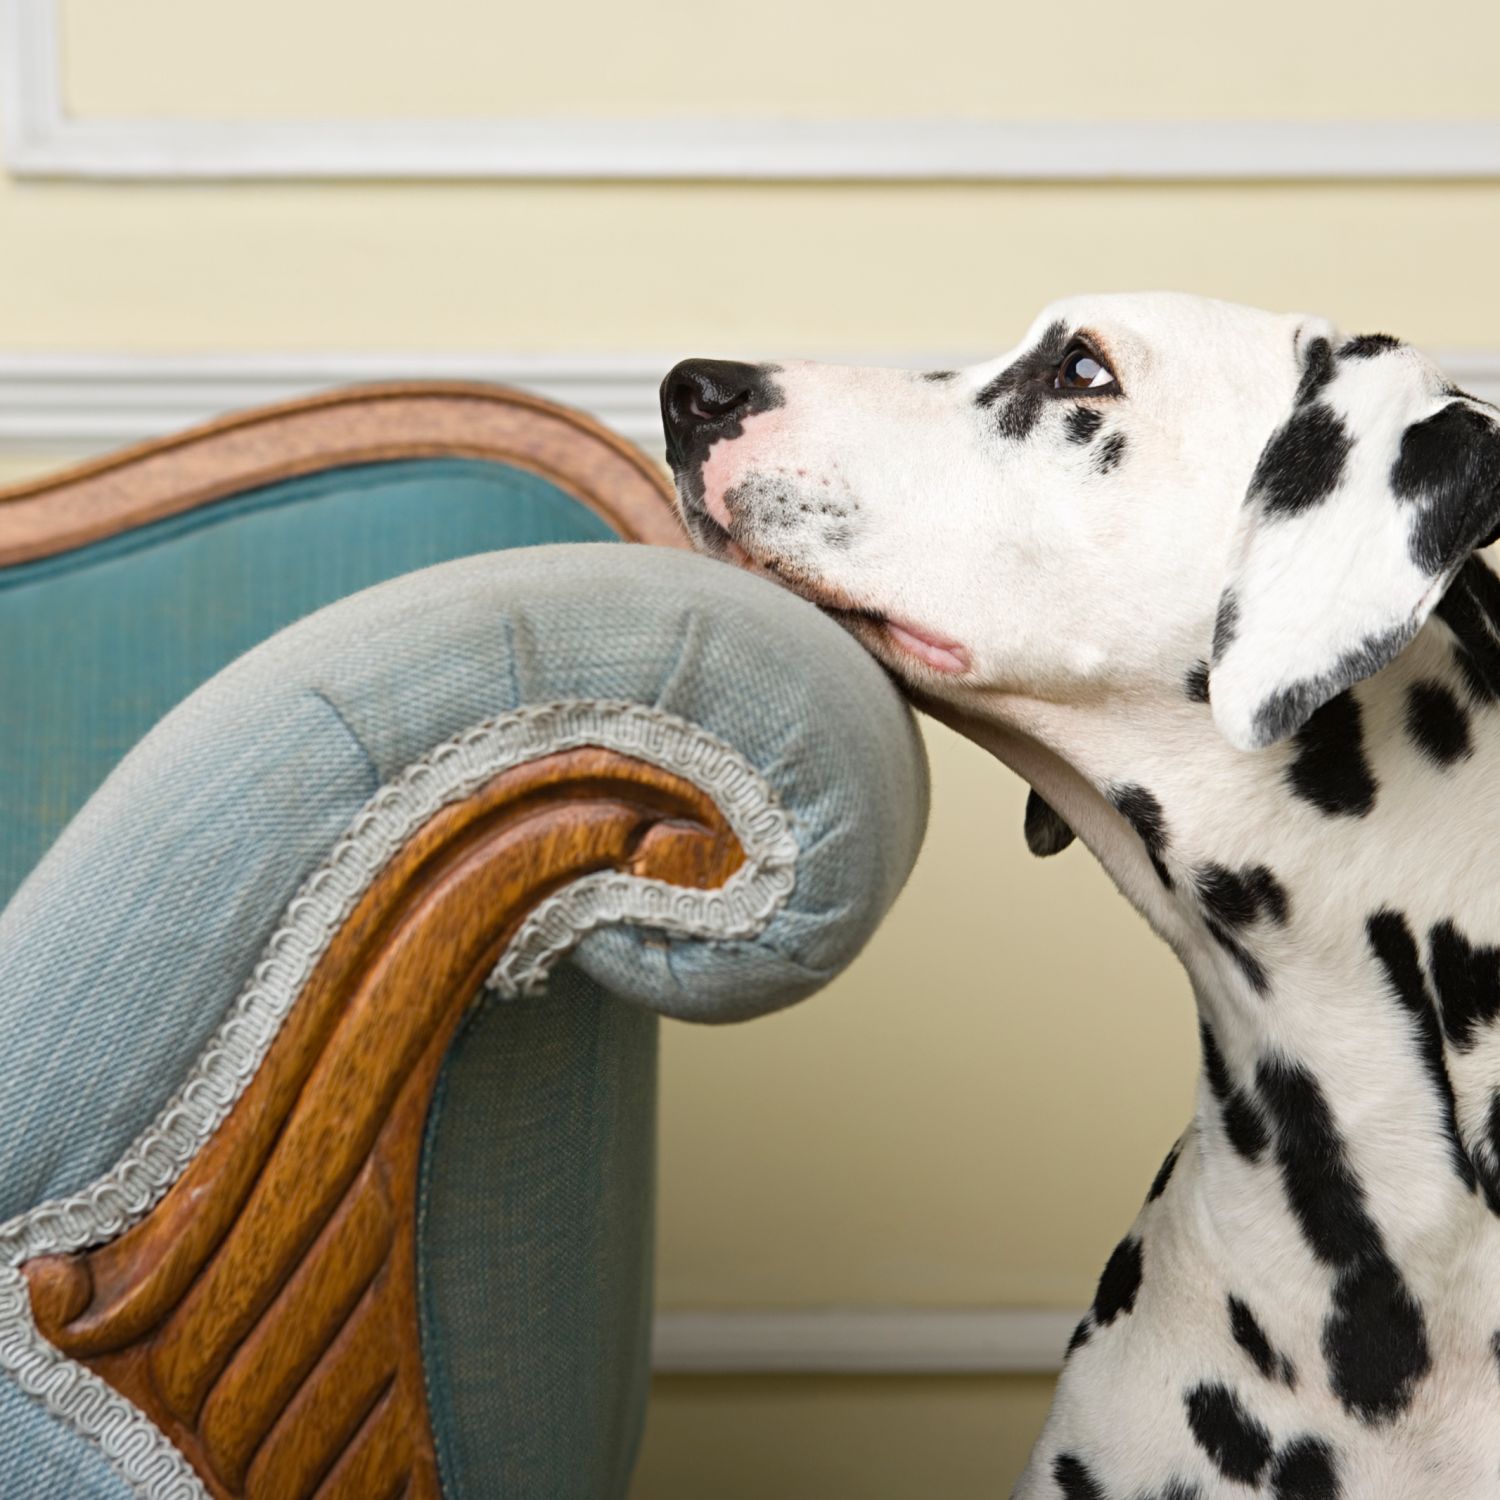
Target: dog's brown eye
[1082, 370]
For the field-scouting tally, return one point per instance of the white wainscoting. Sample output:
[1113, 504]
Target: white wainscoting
[75, 405]
[41, 139]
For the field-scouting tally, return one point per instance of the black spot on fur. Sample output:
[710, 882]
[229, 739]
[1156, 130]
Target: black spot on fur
[1294, 704]
[1487, 1157]
[1164, 1174]
[1367, 345]
[1111, 451]
[939, 374]
[1325, 1197]
[1437, 723]
[1330, 769]
[1178, 1489]
[1020, 392]
[1226, 624]
[1470, 609]
[1318, 369]
[1305, 1470]
[1374, 1338]
[1236, 898]
[1046, 830]
[1074, 1478]
[1394, 946]
[1449, 467]
[1243, 1122]
[1375, 1341]
[1081, 1335]
[1495, 1347]
[1119, 1283]
[1238, 1444]
[1143, 812]
[1466, 977]
[1195, 684]
[1251, 1337]
[1249, 965]
[1082, 424]
[1303, 463]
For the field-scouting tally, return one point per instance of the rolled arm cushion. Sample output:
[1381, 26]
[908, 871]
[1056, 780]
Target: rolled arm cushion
[355, 816]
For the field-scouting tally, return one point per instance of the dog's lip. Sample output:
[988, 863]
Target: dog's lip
[940, 653]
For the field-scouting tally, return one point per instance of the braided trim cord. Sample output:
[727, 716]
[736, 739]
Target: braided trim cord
[139, 1452]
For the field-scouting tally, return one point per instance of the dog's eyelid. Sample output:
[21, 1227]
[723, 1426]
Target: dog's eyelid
[1083, 344]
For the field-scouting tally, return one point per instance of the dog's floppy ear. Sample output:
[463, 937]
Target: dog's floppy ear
[1365, 502]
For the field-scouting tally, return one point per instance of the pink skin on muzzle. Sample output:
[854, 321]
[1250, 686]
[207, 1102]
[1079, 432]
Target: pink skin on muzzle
[937, 652]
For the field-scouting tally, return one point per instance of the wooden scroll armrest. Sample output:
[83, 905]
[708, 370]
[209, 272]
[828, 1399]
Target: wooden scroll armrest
[263, 1313]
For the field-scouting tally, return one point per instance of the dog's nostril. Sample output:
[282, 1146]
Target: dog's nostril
[700, 391]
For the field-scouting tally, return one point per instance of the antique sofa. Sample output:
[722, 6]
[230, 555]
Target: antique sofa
[340, 904]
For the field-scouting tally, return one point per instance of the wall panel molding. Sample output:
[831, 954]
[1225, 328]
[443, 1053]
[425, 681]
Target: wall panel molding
[42, 140]
[76, 404]
[862, 1341]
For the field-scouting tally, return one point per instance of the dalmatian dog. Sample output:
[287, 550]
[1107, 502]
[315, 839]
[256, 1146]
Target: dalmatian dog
[1208, 579]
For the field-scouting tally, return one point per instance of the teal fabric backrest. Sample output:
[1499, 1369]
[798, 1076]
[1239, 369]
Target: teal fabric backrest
[100, 642]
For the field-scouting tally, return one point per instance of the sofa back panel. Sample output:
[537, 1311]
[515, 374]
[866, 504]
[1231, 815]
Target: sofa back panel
[99, 642]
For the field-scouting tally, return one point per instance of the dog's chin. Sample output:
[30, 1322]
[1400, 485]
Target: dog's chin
[918, 658]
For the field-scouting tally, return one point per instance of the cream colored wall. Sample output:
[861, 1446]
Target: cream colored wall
[971, 1114]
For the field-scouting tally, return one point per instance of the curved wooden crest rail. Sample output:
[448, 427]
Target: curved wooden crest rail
[361, 424]
[264, 1313]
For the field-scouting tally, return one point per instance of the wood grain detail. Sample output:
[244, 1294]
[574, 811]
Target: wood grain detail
[354, 425]
[264, 1313]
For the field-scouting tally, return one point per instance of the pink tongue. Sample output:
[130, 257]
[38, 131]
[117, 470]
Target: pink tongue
[940, 654]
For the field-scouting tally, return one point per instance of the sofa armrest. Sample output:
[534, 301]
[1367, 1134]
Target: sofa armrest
[238, 1255]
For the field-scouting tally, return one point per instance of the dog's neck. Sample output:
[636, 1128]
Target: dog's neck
[1331, 901]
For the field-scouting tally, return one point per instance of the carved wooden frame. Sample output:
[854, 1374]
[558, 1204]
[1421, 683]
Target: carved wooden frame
[354, 425]
[263, 1314]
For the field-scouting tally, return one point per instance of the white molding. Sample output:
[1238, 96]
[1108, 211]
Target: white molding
[862, 1341]
[42, 140]
[76, 404]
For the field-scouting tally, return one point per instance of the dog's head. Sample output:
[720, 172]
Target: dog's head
[1150, 493]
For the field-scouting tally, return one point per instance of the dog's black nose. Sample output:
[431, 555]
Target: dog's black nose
[700, 393]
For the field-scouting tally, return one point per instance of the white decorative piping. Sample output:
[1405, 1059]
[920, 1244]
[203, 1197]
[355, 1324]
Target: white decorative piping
[137, 1449]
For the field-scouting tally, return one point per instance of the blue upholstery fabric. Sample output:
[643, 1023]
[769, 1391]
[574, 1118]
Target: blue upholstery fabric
[122, 950]
[539, 1187]
[102, 641]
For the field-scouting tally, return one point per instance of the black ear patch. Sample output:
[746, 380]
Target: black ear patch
[1046, 831]
[1368, 345]
[1449, 465]
[1303, 462]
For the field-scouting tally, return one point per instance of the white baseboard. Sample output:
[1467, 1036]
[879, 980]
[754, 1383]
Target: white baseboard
[863, 1341]
[76, 404]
